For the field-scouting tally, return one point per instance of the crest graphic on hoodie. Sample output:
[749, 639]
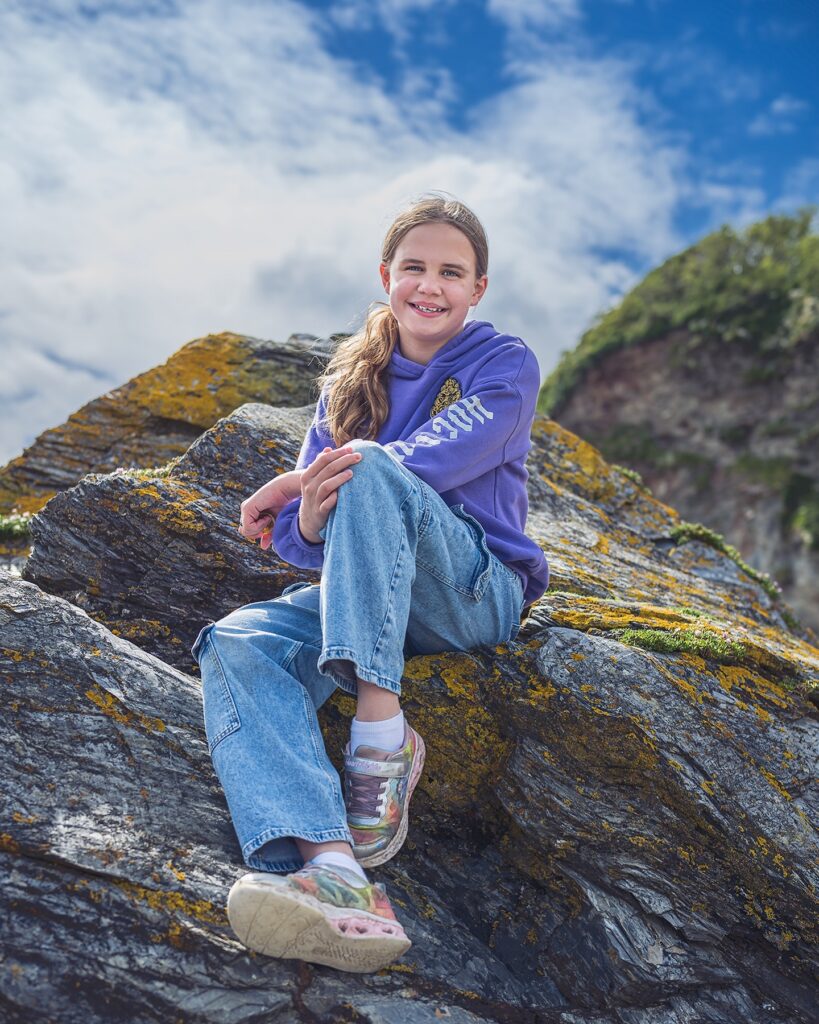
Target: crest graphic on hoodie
[450, 392]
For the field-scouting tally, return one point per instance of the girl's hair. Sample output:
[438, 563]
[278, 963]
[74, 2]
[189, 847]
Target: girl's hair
[357, 404]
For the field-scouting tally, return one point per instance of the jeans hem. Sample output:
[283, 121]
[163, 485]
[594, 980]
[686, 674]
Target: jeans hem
[276, 867]
[328, 835]
[349, 685]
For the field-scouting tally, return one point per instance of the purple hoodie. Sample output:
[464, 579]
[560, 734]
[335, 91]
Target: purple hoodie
[472, 452]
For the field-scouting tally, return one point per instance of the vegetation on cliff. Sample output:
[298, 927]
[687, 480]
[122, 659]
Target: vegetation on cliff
[758, 287]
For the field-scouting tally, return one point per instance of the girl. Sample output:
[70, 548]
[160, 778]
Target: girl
[410, 494]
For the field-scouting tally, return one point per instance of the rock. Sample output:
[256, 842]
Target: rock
[580, 850]
[156, 557]
[155, 416]
[614, 823]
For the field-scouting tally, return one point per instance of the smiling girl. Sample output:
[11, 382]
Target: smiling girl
[409, 494]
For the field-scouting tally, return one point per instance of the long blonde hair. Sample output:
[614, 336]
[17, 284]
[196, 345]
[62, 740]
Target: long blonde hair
[357, 403]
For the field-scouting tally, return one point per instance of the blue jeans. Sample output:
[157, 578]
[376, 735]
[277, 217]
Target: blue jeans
[403, 575]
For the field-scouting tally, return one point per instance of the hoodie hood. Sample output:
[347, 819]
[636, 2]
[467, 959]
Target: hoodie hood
[473, 333]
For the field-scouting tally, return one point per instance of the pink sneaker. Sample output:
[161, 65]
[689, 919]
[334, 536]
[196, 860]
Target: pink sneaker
[319, 914]
[378, 785]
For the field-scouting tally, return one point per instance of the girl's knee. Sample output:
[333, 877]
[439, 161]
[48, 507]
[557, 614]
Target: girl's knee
[376, 461]
[370, 451]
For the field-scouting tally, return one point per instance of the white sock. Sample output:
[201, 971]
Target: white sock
[339, 860]
[386, 735]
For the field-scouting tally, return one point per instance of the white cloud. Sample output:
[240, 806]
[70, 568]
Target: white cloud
[519, 15]
[396, 17]
[781, 117]
[214, 167]
[691, 66]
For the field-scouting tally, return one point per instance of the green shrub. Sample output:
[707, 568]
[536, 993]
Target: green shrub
[15, 525]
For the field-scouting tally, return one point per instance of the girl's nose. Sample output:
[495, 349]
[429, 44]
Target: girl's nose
[429, 284]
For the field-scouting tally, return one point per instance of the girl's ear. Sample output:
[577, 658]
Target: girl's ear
[384, 270]
[480, 288]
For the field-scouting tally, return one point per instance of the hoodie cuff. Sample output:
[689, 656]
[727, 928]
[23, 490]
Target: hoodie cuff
[290, 545]
[300, 539]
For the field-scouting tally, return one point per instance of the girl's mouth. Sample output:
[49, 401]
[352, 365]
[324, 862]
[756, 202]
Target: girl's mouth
[425, 310]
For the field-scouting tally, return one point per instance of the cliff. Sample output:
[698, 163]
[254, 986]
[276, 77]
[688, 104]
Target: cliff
[705, 380]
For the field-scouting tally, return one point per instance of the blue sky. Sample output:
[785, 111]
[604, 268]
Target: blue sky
[170, 168]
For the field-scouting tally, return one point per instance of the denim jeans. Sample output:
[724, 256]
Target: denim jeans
[403, 575]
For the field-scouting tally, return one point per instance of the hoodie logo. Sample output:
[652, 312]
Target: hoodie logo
[450, 392]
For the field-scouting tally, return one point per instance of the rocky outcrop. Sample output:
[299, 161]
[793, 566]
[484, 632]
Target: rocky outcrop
[705, 380]
[615, 819]
[155, 417]
[154, 557]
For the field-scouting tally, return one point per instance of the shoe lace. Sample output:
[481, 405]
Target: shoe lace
[364, 794]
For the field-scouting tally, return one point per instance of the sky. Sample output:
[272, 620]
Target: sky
[173, 168]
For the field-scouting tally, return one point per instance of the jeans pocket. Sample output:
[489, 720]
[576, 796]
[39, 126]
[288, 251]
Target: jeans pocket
[221, 716]
[199, 640]
[517, 601]
[483, 570]
[295, 586]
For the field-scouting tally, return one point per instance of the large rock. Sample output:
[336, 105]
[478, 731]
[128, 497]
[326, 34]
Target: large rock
[600, 834]
[614, 823]
[155, 557]
[156, 415]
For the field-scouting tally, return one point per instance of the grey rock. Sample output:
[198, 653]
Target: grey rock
[602, 832]
[156, 557]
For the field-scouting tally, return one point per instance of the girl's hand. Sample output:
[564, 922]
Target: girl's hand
[259, 511]
[319, 489]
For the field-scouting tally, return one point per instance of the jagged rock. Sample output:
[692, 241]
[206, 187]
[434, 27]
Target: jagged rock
[705, 379]
[603, 832]
[156, 557]
[155, 416]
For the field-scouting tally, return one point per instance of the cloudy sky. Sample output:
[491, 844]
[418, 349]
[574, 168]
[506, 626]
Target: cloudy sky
[170, 168]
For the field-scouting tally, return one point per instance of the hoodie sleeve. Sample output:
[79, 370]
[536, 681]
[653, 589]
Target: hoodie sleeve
[287, 539]
[488, 426]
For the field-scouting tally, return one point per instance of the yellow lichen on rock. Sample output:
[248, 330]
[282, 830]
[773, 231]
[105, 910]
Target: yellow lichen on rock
[114, 708]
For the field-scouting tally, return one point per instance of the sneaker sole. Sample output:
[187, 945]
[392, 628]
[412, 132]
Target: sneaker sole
[389, 851]
[272, 918]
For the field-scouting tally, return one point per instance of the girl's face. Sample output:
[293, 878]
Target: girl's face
[431, 283]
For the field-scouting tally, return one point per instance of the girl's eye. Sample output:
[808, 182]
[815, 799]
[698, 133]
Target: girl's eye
[416, 266]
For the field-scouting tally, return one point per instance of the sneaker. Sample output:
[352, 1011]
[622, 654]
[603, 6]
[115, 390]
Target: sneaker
[319, 914]
[378, 785]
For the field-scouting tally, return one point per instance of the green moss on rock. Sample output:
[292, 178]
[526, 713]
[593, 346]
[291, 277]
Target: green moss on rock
[705, 643]
[696, 531]
[631, 474]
